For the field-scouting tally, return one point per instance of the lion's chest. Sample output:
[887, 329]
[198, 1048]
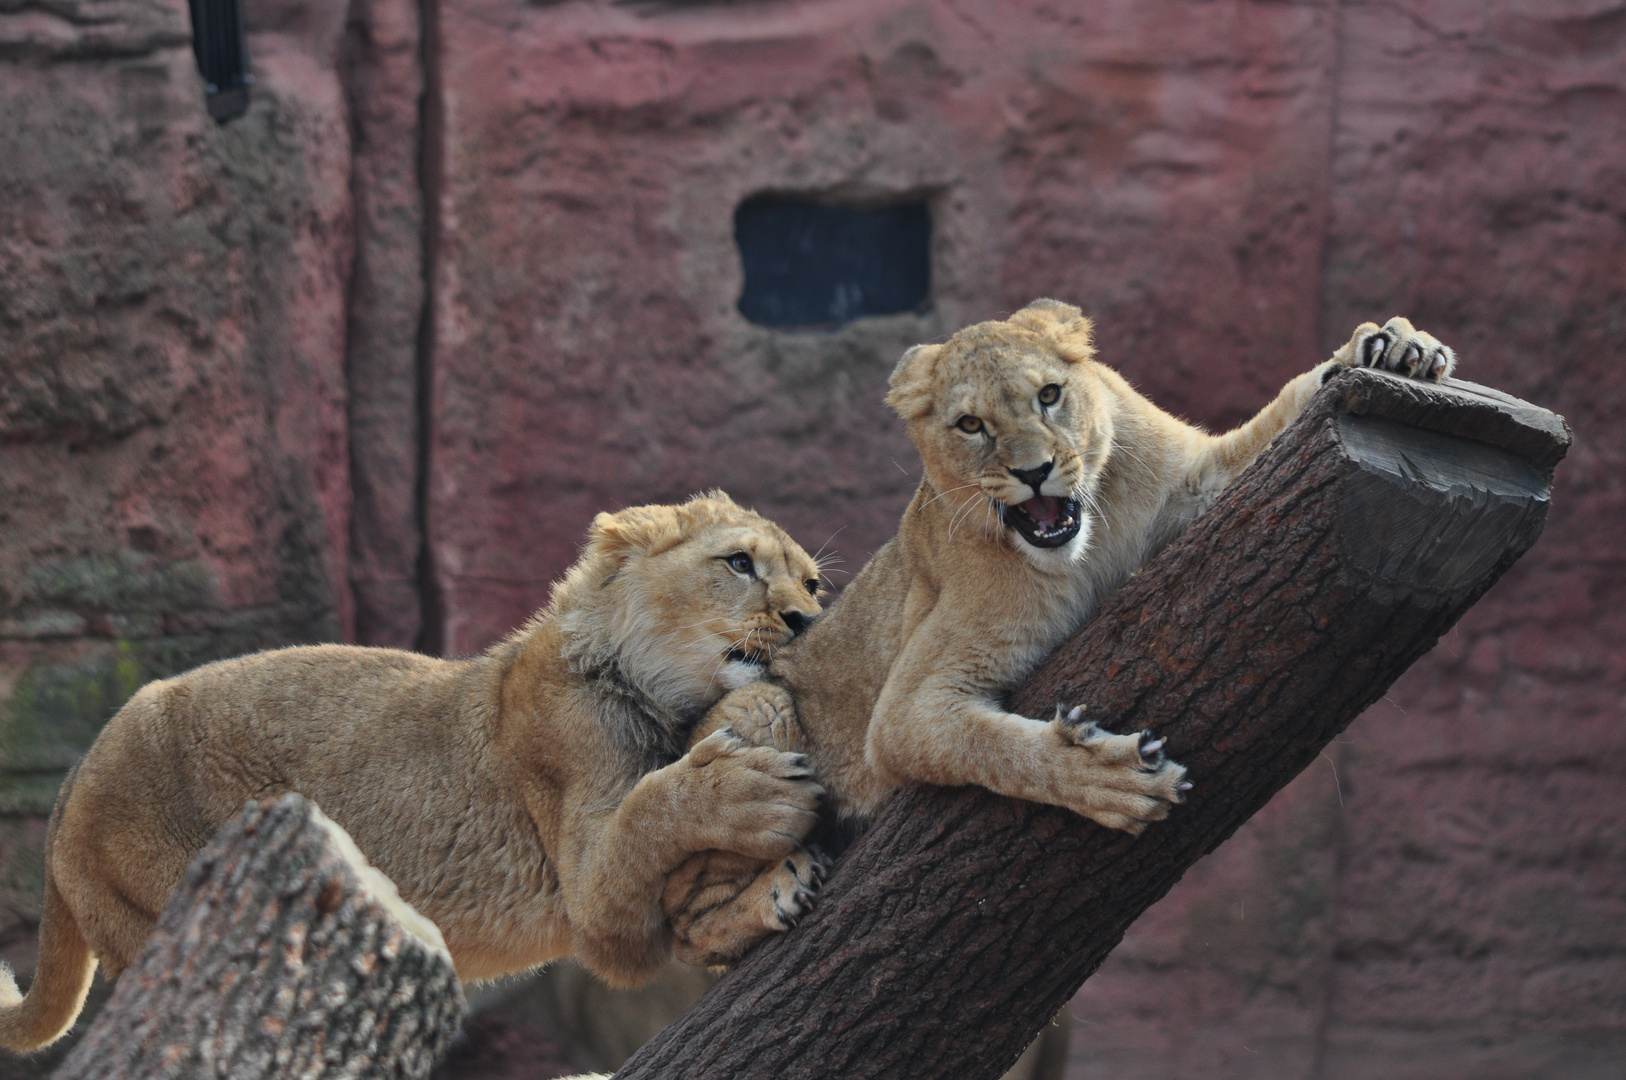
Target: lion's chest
[1055, 610]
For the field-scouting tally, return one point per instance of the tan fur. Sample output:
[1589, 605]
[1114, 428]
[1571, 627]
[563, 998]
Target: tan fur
[522, 800]
[902, 680]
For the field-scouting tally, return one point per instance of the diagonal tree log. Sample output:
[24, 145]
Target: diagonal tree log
[962, 921]
[281, 954]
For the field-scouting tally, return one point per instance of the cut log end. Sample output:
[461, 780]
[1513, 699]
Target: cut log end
[281, 953]
[373, 883]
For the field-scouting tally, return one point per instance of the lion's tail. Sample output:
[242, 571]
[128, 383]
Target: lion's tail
[60, 982]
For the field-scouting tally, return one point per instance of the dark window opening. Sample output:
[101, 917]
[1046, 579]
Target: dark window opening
[809, 264]
[217, 44]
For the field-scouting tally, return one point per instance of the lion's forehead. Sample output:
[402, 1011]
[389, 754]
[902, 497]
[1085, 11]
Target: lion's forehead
[997, 375]
[767, 545]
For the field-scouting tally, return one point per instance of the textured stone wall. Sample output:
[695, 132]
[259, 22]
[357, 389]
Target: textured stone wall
[588, 350]
[173, 476]
[364, 364]
[382, 67]
[172, 301]
[1445, 895]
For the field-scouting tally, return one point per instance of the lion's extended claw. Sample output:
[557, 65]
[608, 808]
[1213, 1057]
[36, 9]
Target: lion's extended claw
[1373, 350]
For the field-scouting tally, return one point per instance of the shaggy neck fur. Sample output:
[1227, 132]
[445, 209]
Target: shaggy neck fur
[613, 641]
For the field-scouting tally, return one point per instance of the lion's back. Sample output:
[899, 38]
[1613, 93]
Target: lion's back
[357, 730]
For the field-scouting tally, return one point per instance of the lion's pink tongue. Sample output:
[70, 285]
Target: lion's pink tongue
[1043, 509]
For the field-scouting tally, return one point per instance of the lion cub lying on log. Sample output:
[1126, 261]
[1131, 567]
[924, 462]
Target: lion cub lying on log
[530, 801]
[1048, 480]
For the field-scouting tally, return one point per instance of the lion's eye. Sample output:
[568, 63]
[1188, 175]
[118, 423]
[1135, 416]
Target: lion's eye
[812, 586]
[1050, 395]
[740, 563]
[969, 424]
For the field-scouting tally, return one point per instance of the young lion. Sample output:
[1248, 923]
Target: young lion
[530, 801]
[1048, 480]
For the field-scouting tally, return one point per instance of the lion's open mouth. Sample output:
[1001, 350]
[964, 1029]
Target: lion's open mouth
[1045, 520]
[743, 656]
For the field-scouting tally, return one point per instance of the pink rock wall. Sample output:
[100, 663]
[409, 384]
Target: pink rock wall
[381, 63]
[1480, 908]
[588, 350]
[174, 482]
[1445, 897]
[220, 387]
[172, 296]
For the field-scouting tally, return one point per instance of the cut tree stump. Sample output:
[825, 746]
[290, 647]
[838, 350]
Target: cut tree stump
[281, 954]
[962, 921]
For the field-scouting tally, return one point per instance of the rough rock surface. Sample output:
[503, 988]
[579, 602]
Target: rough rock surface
[174, 485]
[383, 73]
[173, 477]
[1164, 165]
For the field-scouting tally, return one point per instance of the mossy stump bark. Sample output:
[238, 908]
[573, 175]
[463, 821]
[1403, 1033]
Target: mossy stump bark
[962, 921]
[281, 954]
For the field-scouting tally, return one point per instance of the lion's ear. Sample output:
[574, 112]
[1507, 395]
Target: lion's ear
[1044, 314]
[713, 495]
[911, 382]
[1063, 326]
[645, 530]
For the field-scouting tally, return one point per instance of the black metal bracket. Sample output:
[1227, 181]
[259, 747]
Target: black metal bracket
[217, 43]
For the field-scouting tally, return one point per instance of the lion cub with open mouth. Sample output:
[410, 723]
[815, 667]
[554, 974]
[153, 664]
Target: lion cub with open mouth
[531, 801]
[1048, 481]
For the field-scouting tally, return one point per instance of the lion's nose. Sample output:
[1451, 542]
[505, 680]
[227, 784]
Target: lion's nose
[1033, 477]
[795, 621]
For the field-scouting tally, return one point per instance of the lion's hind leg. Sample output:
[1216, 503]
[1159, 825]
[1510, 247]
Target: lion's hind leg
[721, 904]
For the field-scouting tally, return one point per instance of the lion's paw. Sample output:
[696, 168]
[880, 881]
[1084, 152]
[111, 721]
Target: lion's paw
[793, 885]
[721, 906]
[763, 714]
[1399, 347]
[1122, 781]
[752, 800]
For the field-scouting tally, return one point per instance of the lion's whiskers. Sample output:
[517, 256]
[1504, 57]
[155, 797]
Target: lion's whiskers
[950, 491]
[1130, 454]
[964, 510]
[818, 556]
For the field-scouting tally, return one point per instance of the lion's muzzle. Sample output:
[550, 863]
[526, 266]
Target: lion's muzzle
[1045, 521]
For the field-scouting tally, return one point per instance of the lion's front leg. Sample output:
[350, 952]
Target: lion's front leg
[720, 904]
[1395, 346]
[723, 795]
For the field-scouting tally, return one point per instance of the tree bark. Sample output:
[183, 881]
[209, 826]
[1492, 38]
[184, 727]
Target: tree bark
[962, 921]
[281, 954]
